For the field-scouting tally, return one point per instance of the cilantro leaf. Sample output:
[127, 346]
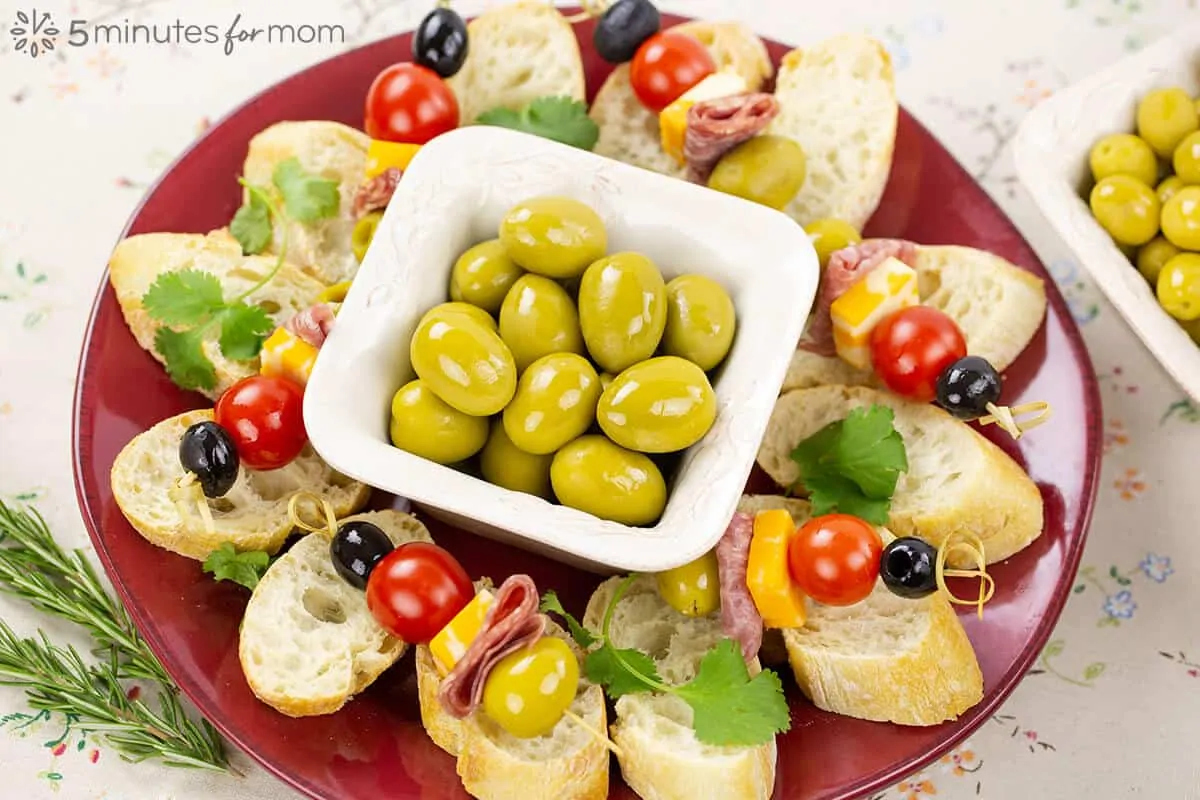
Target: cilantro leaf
[870, 451]
[306, 197]
[621, 672]
[226, 564]
[183, 297]
[829, 493]
[243, 330]
[730, 708]
[184, 357]
[561, 119]
[251, 225]
[552, 605]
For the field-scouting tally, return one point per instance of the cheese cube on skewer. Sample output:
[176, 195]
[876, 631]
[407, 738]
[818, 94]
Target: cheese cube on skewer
[890, 287]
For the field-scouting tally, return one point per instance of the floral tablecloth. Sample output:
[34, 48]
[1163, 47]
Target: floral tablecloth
[1112, 708]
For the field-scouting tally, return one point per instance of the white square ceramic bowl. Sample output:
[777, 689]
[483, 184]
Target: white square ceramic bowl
[1051, 151]
[453, 195]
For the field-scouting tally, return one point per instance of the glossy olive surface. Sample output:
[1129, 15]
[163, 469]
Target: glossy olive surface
[463, 362]
[594, 475]
[424, 425]
[553, 236]
[483, 275]
[701, 321]
[769, 170]
[658, 406]
[555, 402]
[622, 310]
[537, 319]
[504, 464]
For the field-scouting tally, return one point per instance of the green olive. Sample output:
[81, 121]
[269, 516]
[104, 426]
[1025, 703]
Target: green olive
[483, 275]
[693, 589]
[463, 362]
[830, 235]
[1127, 208]
[553, 236]
[1164, 117]
[1187, 159]
[555, 402]
[364, 233]
[1181, 219]
[529, 691]
[700, 321]
[1153, 255]
[1124, 154]
[605, 379]
[767, 169]
[594, 475]
[425, 426]
[1179, 287]
[662, 405]
[622, 309]
[1169, 187]
[474, 312]
[504, 464]
[538, 318]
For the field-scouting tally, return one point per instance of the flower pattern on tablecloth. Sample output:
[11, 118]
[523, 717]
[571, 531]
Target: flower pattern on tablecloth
[20, 290]
[1193, 669]
[1117, 585]
[1053, 649]
[66, 738]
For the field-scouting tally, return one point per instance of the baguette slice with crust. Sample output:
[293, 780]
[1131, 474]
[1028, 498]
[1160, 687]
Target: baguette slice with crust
[568, 764]
[329, 150]
[252, 516]
[957, 481]
[519, 52]
[629, 131]
[308, 641]
[838, 101]
[998, 306]
[886, 659]
[661, 758]
[139, 260]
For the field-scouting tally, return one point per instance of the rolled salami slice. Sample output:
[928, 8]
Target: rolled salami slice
[714, 127]
[845, 267]
[312, 325]
[512, 622]
[376, 193]
[739, 616]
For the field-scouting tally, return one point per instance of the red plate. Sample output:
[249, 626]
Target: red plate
[375, 746]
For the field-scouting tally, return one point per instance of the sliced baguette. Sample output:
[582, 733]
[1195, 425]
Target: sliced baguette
[998, 306]
[327, 149]
[886, 659]
[629, 132]
[308, 641]
[139, 260]
[661, 758]
[567, 764]
[838, 101]
[519, 52]
[252, 516]
[957, 481]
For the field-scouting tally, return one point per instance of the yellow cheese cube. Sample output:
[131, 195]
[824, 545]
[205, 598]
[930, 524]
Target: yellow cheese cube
[776, 596]
[285, 355]
[888, 288]
[452, 641]
[672, 121]
[381, 155]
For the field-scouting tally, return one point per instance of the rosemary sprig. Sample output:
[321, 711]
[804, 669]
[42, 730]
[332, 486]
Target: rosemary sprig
[34, 568]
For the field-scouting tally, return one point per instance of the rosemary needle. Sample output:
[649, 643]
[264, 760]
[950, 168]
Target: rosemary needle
[34, 568]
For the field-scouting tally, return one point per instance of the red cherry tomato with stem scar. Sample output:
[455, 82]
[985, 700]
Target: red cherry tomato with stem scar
[265, 418]
[666, 66]
[913, 347]
[416, 590]
[834, 559]
[410, 104]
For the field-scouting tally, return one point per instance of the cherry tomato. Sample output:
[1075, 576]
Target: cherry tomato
[265, 419]
[911, 348]
[411, 104]
[834, 559]
[416, 589]
[666, 66]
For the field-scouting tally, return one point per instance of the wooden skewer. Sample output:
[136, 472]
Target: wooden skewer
[571, 715]
[329, 528]
[1006, 417]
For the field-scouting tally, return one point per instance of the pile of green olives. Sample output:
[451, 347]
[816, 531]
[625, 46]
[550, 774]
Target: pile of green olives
[561, 370]
[1147, 197]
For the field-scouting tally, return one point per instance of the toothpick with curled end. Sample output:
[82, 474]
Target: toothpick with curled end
[591, 8]
[974, 548]
[329, 528]
[600, 737]
[1006, 417]
[186, 492]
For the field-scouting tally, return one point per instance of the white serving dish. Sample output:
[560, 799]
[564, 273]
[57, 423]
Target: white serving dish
[453, 195]
[1051, 152]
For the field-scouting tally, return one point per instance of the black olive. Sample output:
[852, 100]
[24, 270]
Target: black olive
[623, 28]
[207, 451]
[356, 549]
[967, 386]
[440, 42]
[908, 567]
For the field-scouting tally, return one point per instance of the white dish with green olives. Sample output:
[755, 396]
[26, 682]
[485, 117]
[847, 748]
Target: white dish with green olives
[543, 346]
[1114, 165]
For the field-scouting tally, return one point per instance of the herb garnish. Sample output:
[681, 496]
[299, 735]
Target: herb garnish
[227, 564]
[561, 119]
